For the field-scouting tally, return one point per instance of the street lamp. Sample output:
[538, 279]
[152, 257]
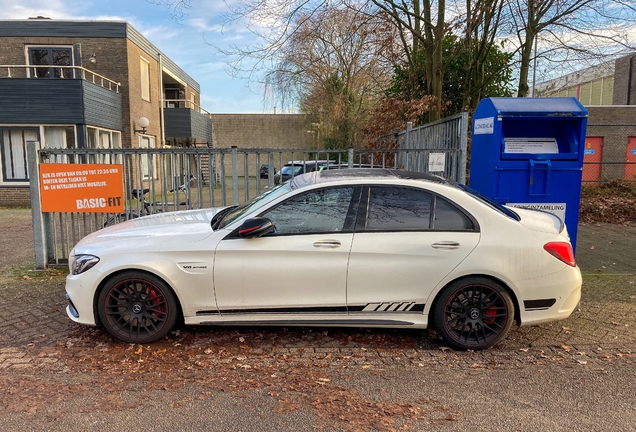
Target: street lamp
[143, 122]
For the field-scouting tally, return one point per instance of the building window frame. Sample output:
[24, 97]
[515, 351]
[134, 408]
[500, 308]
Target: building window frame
[49, 70]
[146, 162]
[144, 66]
[7, 152]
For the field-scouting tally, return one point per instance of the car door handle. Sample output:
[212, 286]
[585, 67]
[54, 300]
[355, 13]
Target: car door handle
[327, 244]
[449, 245]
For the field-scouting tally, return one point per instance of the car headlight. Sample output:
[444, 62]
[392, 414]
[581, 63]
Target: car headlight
[81, 263]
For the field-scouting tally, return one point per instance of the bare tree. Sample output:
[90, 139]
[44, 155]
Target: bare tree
[574, 31]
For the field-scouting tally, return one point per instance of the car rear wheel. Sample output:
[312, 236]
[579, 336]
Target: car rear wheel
[474, 313]
[137, 307]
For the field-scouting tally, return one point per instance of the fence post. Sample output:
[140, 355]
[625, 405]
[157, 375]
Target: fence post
[39, 226]
[235, 175]
[350, 157]
[463, 148]
[407, 162]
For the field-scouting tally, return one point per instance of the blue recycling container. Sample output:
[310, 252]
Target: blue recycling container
[528, 152]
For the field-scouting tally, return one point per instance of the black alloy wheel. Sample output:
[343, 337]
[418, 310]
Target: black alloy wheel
[137, 307]
[474, 313]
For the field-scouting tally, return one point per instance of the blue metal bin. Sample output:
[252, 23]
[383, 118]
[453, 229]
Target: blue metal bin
[528, 152]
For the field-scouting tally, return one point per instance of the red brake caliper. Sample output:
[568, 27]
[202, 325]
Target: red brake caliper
[156, 300]
[490, 313]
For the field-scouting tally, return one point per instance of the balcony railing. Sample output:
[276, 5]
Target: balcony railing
[184, 103]
[75, 72]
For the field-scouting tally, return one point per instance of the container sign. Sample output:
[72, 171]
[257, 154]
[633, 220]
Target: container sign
[436, 162]
[557, 209]
[634, 151]
[531, 145]
[589, 151]
[484, 126]
[94, 188]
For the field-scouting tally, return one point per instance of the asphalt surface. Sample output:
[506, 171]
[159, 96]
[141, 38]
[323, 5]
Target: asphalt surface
[576, 374]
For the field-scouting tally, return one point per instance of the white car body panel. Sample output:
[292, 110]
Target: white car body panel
[417, 261]
[378, 275]
[243, 276]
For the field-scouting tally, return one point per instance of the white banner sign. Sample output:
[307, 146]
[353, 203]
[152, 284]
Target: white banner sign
[531, 145]
[436, 162]
[557, 209]
[484, 126]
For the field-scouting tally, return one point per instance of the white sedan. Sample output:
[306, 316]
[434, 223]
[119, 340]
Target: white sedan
[358, 247]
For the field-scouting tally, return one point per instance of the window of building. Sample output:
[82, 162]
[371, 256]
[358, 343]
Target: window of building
[13, 143]
[104, 139]
[147, 167]
[50, 56]
[145, 79]
[59, 137]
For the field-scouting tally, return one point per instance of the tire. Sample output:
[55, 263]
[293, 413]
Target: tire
[474, 313]
[137, 307]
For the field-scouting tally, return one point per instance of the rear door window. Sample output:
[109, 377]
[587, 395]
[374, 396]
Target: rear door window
[398, 208]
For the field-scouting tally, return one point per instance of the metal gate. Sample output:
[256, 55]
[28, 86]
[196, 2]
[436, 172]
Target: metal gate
[192, 178]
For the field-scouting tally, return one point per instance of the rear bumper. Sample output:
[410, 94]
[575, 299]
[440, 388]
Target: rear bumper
[563, 287]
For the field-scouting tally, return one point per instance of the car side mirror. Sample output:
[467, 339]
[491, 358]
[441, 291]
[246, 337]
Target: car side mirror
[255, 227]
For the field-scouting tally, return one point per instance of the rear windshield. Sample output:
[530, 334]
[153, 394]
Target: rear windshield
[489, 202]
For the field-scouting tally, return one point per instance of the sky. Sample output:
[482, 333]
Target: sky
[187, 43]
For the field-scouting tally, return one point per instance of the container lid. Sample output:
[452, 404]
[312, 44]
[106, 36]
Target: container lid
[538, 106]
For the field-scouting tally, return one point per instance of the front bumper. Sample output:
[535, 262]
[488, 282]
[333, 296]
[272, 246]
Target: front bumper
[80, 293]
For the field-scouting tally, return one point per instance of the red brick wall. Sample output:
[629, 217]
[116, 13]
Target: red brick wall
[15, 196]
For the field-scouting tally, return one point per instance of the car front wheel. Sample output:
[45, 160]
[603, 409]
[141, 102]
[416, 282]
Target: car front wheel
[137, 307]
[474, 313]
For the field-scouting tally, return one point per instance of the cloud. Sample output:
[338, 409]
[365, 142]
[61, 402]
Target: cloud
[184, 43]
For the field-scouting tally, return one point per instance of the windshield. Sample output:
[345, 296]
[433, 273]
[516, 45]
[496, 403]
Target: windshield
[287, 169]
[255, 204]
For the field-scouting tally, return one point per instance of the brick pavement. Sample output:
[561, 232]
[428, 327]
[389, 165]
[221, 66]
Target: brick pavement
[34, 327]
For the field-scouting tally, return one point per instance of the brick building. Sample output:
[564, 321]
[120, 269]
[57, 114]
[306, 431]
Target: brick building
[86, 84]
[608, 91]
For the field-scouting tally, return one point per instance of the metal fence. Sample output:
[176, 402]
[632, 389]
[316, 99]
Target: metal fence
[442, 136]
[192, 178]
[595, 173]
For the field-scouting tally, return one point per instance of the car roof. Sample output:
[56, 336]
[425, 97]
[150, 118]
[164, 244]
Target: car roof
[332, 175]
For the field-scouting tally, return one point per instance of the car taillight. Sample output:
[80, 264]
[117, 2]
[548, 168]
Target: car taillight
[562, 251]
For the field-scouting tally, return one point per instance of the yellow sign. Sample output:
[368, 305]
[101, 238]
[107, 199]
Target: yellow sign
[86, 188]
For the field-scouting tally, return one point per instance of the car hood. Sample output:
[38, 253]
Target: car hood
[164, 228]
[541, 221]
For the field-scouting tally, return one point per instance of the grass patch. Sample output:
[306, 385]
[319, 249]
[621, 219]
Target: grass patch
[27, 272]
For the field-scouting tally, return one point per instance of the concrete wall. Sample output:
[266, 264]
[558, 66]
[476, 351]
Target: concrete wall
[625, 81]
[278, 131]
[266, 131]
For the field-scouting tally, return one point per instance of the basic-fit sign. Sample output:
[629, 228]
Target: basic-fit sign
[94, 188]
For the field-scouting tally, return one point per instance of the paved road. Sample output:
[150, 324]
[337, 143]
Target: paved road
[577, 374]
